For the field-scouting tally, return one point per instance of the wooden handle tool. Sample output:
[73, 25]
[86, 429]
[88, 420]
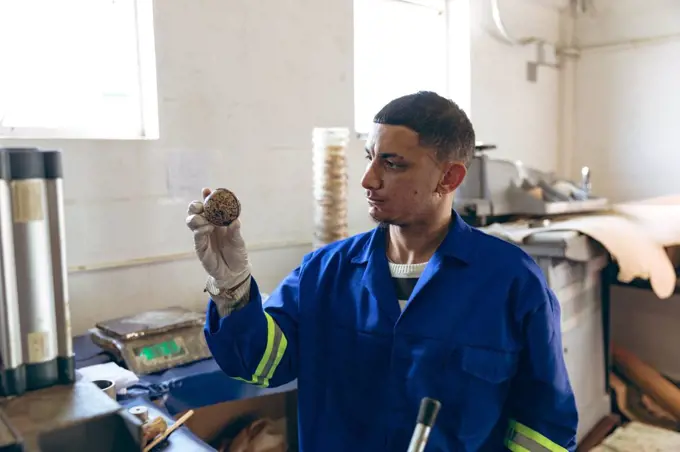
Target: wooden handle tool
[171, 429]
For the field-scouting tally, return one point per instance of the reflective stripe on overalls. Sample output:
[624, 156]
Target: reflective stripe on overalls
[521, 438]
[273, 352]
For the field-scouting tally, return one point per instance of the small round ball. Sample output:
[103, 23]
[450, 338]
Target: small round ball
[221, 207]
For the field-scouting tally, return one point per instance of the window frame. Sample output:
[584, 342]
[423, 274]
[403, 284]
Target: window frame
[148, 95]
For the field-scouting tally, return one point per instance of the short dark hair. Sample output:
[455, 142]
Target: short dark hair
[439, 122]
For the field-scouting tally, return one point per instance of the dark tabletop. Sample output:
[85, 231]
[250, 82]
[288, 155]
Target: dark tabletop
[192, 386]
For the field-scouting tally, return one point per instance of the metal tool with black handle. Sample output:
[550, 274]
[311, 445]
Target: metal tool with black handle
[427, 415]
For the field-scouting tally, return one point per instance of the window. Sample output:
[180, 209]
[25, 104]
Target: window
[400, 47]
[77, 69]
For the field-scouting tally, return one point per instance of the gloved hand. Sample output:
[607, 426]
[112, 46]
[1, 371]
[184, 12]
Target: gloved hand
[220, 249]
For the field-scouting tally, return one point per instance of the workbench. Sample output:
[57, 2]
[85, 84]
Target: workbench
[81, 417]
[193, 386]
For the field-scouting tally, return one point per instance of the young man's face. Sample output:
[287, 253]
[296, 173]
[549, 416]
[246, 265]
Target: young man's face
[405, 182]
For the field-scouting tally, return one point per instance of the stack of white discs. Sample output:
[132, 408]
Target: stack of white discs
[330, 184]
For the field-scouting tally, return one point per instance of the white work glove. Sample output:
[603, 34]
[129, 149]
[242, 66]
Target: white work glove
[222, 253]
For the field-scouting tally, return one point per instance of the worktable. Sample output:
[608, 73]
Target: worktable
[192, 386]
[81, 417]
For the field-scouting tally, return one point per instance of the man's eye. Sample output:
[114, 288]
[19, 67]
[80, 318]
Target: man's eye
[390, 164]
[368, 157]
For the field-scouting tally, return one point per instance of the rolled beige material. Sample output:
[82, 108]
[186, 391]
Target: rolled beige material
[637, 249]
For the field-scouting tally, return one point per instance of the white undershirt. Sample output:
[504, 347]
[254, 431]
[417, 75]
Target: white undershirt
[405, 277]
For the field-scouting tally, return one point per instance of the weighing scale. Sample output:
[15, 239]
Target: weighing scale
[154, 341]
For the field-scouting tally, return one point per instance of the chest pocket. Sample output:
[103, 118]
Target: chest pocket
[485, 377]
[490, 366]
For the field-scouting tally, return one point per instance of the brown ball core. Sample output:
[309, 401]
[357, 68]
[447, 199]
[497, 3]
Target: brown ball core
[221, 207]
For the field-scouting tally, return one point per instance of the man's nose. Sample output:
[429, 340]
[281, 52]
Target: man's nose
[371, 179]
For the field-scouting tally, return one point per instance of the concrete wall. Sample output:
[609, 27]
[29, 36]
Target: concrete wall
[627, 98]
[241, 85]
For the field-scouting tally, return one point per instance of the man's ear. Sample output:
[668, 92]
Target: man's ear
[454, 173]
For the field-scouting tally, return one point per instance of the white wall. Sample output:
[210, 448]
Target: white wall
[627, 99]
[241, 85]
[519, 116]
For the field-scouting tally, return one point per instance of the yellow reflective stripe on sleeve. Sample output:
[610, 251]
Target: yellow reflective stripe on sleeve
[280, 350]
[513, 447]
[273, 353]
[521, 438]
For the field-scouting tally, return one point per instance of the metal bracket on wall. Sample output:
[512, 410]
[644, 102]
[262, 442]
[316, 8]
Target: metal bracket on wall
[546, 53]
[546, 56]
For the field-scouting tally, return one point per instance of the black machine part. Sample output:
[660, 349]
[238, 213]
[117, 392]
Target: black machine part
[482, 147]
[429, 409]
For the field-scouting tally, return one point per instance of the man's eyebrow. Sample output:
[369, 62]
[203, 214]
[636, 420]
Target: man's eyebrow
[384, 155]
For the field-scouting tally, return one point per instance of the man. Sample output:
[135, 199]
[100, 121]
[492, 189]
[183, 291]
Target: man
[421, 306]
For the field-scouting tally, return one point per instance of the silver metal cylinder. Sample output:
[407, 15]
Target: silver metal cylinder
[419, 439]
[140, 412]
[55, 208]
[32, 254]
[12, 371]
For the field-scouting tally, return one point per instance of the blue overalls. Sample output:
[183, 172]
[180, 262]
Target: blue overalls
[480, 333]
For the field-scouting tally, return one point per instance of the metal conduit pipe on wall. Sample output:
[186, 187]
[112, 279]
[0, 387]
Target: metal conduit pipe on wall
[166, 258]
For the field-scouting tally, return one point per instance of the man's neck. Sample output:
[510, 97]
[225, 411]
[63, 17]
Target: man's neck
[416, 243]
